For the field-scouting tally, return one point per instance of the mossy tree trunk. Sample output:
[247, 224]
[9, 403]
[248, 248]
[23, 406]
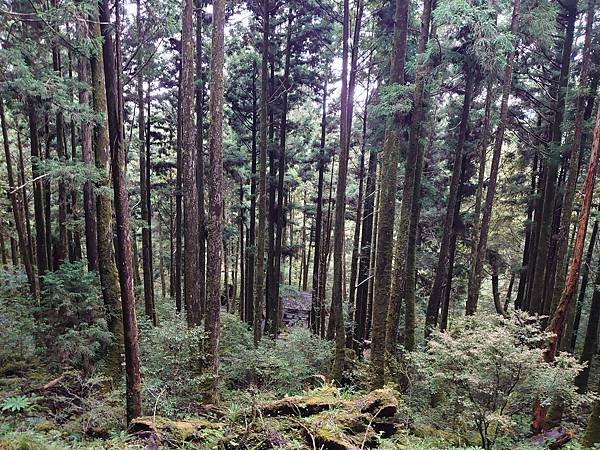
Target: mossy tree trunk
[387, 201]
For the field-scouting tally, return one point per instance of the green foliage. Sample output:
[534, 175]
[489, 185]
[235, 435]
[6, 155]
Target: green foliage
[74, 328]
[17, 404]
[486, 375]
[281, 366]
[17, 323]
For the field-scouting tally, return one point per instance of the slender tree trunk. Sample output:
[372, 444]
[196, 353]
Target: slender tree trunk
[144, 182]
[215, 196]
[315, 310]
[573, 168]
[251, 241]
[340, 207]
[387, 200]
[178, 202]
[435, 298]
[572, 332]
[281, 174]
[17, 210]
[536, 302]
[475, 275]
[558, 318]
[38, 189]
[124, 256]
[259, 284]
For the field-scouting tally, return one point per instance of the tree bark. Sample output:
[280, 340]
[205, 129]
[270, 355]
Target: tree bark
[191, 280]
[315, 310]
[215, 197]
[387, 201]
[561, 238]
[124, 256]
[259, 284]
[107, 269]
[199, 90]
[410, 186]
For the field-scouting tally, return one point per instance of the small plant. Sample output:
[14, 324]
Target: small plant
[18, 404]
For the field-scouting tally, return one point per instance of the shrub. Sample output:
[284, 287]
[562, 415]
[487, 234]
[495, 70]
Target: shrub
[17, 324]
[485, 376]
[74, 330]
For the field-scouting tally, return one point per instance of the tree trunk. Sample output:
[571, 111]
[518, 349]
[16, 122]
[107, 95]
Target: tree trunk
[558, 318]
[124, 256]
[199, 105]
[17, 210]
[191, 280]
[259, 284]
[251, 241]
[215, 197]
[149, 309]
[38, 190]
[536, 302]
[281, 174]
[573, 169]
[89, 200]
[62, 245]
[475, 275]
[571, 332]
[315, 310]
[409, 187]
[435, 298]
[387, 201]
[104, 222]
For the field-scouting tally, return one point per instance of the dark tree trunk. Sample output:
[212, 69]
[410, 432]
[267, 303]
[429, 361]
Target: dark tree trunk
[17, 210]
[149, 309]
[573, 157]
[536, 303]
[435, 298]
[251, 241]
[61, 246]
[582, 289]
[38, 190]
[475, 275]
[259, 285]
[315, 310]
[124, 256]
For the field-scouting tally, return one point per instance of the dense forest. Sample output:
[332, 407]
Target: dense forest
[299, 224]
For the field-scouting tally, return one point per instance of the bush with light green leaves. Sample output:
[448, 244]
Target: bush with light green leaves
[483, 378]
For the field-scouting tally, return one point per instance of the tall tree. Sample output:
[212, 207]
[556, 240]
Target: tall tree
[215, 195]
[191, 280]
[475, 275]
[17, 209]
[259, 284]
[387, 200]
[111, 57]
[144, 181]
